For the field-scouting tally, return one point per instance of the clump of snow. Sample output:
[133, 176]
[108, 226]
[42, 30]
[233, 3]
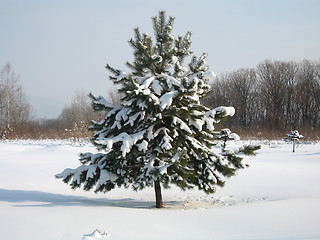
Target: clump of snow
[157, 88]
[102, 101]
[174, 59]
[127, 141]
[96, 234]
[211, 115]
[226, 134]
[182, 124]
[197, 123]
[234, 136]
[105, 176]
[143, 146]
[122, 75]
[166, 99]
[228, 111]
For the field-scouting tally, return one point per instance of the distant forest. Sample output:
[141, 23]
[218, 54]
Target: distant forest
[270, 100]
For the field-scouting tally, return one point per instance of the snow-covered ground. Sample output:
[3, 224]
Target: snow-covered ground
[277, 197]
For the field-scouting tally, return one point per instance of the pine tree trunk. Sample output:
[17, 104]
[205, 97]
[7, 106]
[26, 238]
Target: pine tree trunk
[293, 145]
[157, 189]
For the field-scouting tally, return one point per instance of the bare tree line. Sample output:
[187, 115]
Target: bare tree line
[73, 121]
[15, 107]
[274, 96]
[17, 118]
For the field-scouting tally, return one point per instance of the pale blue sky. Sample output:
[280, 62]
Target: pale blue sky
[61, 46]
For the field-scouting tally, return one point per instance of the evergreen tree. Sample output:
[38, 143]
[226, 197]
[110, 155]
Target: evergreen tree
[161, 134]
[294, 136]
[225, 135]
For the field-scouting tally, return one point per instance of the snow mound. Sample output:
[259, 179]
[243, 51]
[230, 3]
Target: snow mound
[96, 234]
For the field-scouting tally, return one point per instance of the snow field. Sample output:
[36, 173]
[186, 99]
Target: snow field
[277, 197]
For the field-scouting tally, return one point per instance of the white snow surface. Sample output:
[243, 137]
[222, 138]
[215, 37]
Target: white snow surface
[277, 197]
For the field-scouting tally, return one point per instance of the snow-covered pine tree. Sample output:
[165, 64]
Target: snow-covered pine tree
[294, 136]
[225, 135]
[161, 134]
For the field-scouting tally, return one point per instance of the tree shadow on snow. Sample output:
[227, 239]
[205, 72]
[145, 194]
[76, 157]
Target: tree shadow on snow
[25, 198]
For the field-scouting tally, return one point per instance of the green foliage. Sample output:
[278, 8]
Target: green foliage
[250, 149]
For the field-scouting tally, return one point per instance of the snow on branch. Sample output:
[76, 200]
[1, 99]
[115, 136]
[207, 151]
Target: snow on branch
[227, 111]
[166, 99]
[220, 112]
[127, 141]
[100, 103]
[199, 64]
[293, 135]
[90, 157]
[106, 176]
[182, 124]
[119, 75]
[215, 115]
[122, 75]
[197, 123]
[161, 166]
[76, 173]
[226, 134]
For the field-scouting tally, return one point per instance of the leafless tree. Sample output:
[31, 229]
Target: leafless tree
[242, 87]
[79, 112]
[277, 81]
[114, 96]
[15, 107]
[277, 95]
[77, 117]
[308, 94]
[236, 89]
